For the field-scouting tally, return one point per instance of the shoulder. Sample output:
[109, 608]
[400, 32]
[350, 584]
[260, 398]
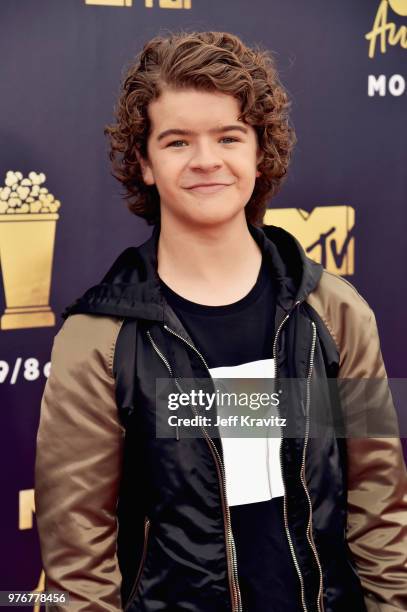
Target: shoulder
[86, 337]
[341, 307]
[333, 287]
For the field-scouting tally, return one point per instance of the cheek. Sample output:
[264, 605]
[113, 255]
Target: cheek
[170, 167]
[245, 162]
[246, 170]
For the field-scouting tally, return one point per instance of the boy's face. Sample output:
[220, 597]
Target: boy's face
[200, 157]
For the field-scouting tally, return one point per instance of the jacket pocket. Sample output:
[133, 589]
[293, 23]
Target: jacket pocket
[141, 566]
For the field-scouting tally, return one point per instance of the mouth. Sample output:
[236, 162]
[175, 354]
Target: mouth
[207, 187]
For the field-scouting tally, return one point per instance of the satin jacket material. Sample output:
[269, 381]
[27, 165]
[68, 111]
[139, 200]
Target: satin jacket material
[130, 521]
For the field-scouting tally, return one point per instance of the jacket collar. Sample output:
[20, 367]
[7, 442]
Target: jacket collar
[131, 287]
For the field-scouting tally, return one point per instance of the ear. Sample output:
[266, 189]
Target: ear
[146, 170]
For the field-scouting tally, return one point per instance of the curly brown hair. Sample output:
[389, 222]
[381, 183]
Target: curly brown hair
[206, 61]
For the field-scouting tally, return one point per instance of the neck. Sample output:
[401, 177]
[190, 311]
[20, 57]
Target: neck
[196, 262]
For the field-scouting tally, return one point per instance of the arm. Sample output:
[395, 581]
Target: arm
[377, 488]
[78, 466]
[377, 478]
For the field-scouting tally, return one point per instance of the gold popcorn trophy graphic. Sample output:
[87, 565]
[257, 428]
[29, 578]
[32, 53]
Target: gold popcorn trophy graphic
[28, 216]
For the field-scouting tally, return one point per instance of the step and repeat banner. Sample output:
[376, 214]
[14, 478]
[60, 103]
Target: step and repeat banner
[63, 219]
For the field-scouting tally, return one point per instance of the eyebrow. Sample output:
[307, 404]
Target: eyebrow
[218, 130]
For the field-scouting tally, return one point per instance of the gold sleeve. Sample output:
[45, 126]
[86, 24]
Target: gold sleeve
[78, 466]
[377, 477]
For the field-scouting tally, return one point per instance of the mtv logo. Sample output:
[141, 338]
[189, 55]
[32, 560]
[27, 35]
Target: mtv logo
[325, 233]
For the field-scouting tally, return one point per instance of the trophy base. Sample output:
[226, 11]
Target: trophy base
[22, 318]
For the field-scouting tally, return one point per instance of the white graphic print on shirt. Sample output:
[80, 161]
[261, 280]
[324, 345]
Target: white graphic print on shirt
[252, 465]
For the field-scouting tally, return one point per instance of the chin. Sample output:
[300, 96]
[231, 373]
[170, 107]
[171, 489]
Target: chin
[214, 216]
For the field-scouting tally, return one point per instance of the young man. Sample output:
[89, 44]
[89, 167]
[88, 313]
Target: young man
[129, 520]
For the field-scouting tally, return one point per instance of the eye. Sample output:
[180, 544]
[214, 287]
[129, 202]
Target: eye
[176, 143]
[230, 138]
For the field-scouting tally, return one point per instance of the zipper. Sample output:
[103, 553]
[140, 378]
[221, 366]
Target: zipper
[231, 550]
[287, 529]
[320, 603]
[169, 368]
[141, 566]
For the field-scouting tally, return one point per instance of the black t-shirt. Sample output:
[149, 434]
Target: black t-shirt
[236, 341]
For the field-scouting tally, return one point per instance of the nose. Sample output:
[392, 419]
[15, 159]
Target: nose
[205, 158]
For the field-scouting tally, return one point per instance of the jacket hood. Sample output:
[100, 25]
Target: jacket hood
[131, 287]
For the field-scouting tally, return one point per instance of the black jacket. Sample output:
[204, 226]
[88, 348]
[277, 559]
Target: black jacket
[175, 548]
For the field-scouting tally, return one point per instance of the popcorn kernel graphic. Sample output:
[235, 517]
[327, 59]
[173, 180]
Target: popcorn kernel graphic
[28, 216]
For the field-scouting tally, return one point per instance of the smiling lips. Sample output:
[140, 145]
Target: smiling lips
[207, 187]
